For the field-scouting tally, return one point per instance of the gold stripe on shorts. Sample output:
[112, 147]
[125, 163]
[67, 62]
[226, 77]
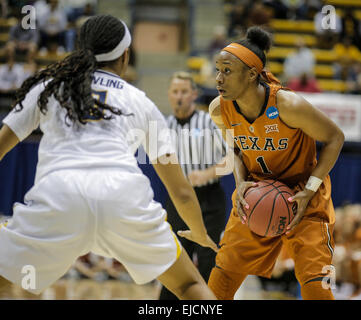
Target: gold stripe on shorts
[179, 248]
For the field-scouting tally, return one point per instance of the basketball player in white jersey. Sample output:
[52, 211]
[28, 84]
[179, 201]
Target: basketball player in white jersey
[89, 193]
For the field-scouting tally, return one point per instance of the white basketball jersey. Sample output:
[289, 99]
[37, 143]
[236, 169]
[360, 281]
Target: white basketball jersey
[99, 143]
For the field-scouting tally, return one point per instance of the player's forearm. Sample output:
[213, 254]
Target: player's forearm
[328, 156]
[187, 205]
[181, 192]
[239, 171]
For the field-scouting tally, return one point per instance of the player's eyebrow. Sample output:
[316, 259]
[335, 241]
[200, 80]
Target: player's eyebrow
[224, 62]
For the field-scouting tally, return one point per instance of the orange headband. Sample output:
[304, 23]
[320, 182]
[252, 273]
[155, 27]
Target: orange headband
[245, 55]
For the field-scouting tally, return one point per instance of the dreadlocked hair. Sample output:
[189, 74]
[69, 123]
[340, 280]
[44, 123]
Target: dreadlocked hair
[69, 80]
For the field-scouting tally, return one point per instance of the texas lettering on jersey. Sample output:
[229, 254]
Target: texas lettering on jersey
[260, 144]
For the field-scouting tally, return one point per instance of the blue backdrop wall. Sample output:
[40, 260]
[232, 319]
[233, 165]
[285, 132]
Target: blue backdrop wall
[17, 172]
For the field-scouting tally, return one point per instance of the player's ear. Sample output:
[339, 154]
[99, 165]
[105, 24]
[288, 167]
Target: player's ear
[125, 57]
[253, 74]
[123, 61]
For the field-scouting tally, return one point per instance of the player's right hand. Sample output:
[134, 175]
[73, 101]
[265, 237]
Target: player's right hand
[240, 201]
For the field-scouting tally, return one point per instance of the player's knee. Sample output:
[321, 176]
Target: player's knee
[184, 194]
[317, 286]
[223, 284]
[317, 290]
[182, 289]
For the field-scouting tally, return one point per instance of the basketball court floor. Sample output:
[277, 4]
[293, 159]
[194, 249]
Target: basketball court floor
[86, 289]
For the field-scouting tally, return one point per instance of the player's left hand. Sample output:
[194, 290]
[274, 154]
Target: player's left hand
[203, 241]
[302, 198]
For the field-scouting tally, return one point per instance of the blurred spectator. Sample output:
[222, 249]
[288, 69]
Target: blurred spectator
[13, 7]
[116, 271]
[279, 9]
[307, 9]
[3, 9]
[12, 75]
[52, 27]
[22, 41]
[238, 19]
[218, 41]
[347, 255]
[351, 27]
[354, 87]
[89, 266]
[74, 9]
[304, 83]
[299, 9]
[329, 35]
[348, 57]
[42, 8]
[259, 14]
[87, 12]
[74, 25]
[98, 268]
[300, 62]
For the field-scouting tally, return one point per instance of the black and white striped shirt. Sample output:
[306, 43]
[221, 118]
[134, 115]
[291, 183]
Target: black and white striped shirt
[198, 142]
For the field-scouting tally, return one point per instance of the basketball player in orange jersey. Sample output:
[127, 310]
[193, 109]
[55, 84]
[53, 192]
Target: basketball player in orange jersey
[274, 131]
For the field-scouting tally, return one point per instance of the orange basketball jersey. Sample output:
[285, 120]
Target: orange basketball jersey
[272, 150]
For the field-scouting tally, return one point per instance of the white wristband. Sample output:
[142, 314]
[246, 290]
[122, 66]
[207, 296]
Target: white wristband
[313, 183]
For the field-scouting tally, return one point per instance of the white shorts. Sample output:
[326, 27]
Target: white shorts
[69, 213]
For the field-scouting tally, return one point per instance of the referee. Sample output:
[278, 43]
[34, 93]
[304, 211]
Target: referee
[200, 149]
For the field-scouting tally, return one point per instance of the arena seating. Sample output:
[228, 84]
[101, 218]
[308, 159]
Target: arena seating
[285, 35]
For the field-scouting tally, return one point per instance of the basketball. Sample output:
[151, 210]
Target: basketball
[269, 210]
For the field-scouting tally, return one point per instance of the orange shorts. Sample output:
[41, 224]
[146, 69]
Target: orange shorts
[310, 244]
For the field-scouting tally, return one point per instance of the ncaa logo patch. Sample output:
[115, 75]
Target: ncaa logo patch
[272, 112]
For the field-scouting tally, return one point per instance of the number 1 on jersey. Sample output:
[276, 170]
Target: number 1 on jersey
[263, 165]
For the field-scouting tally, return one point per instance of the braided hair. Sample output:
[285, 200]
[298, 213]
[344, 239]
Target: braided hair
[69, 80]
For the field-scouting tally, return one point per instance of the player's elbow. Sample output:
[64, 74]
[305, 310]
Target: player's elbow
[339, 137]
[342, 136]
[335, 138]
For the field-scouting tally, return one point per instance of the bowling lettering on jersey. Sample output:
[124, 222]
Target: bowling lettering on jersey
[108, 82]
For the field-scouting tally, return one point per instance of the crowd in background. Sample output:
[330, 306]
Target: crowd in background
[298, 67]
[347, 256]
[53, 36]
[57, 22]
